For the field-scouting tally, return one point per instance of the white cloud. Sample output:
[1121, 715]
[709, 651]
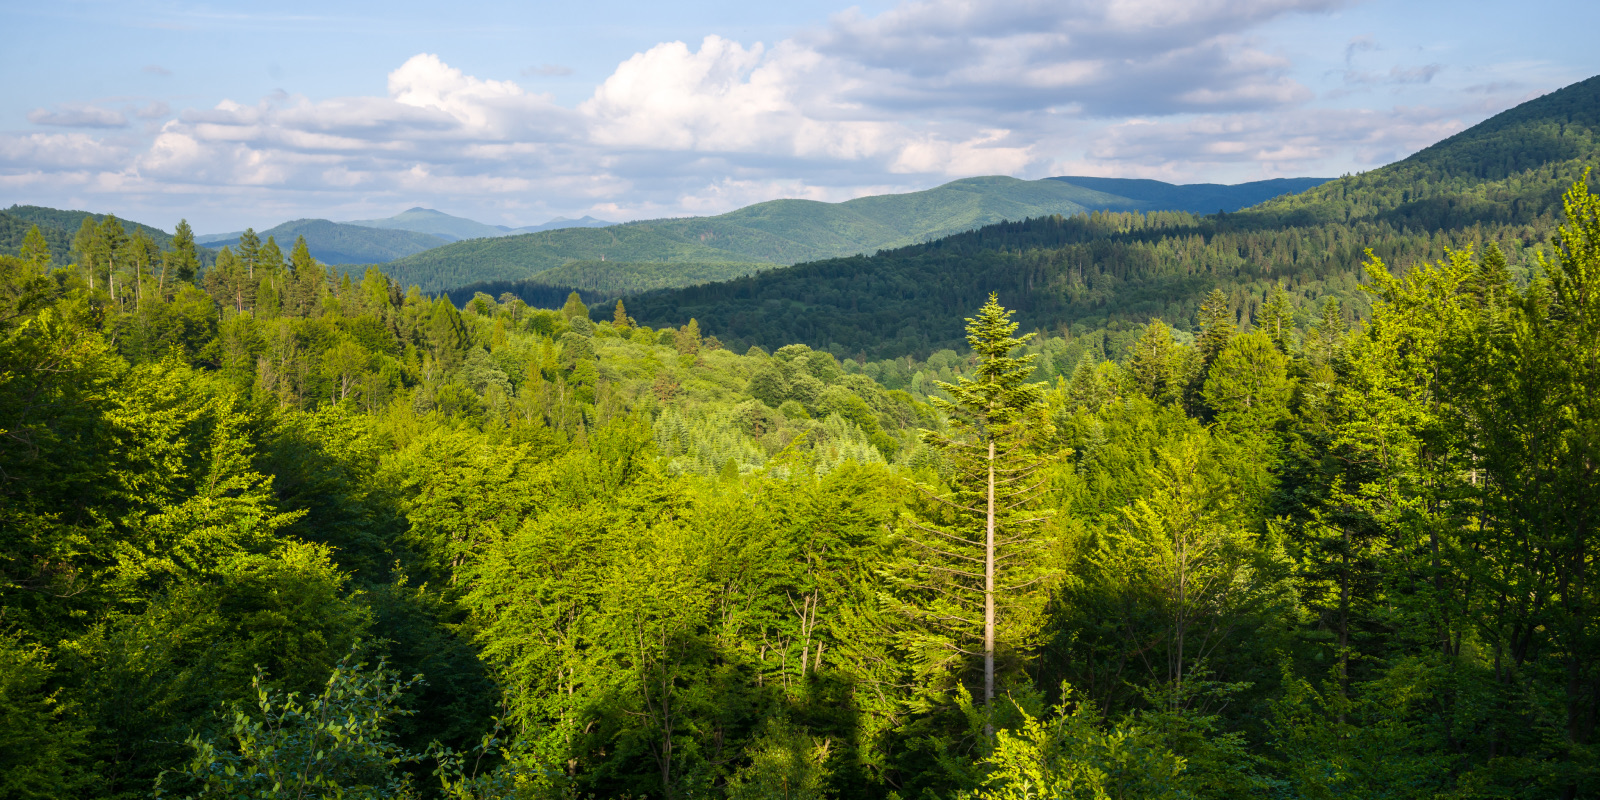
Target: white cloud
[59, 151]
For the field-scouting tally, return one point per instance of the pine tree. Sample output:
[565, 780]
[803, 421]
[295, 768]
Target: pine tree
[1326, 341]
[995, 422]
[619, 318]
[574, 307]
[35, 250]
[108, 246]
[688, 338]
[182, 262]
[249, 252]
[84, 248]
[1216, 326]
[305, 289]
[1157, 363]
[1277, 318]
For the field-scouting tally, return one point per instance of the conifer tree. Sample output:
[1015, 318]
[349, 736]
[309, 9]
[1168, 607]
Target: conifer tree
[1277, 318]
[249, 252]
[574, 307]
[1215, 326]
[1327, 339]
[107, 246]
[688, 338]
[182, 262]
[84, 248]
[35, 250]
[619, 318]
[1157, 363]
[979, 551]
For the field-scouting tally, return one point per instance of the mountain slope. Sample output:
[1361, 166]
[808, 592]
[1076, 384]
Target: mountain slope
[1197, 198]
[772, 233]
[1507, 170]
[1117, 270]
[60, 227]
[434, 223]
[335, 243]
[13, 229]
[70, 221]
[558, 223]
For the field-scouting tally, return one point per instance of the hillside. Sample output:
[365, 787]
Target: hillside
[60, 226]
[70, 221]
[558, 223]
[454, 229]
[434, 223]
[1121, 269]
[336, 243]
[773, 233]
[1196, 198]
[13, 229]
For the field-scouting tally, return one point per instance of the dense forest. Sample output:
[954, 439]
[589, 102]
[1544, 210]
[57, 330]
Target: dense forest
[271, 531]
[1296, 502]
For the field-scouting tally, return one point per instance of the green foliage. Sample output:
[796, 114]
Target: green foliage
[1071, 755]
[41, 742]
[333, 744]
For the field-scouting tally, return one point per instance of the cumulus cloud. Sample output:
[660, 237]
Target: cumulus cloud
[62, 151]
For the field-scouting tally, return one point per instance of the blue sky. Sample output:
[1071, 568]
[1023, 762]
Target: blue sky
[236, 114]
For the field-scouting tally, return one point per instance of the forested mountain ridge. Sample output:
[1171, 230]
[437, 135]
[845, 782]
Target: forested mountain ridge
[773, 233]
[63, 230]
[70, 221]
[1195, 198]
[435, 223]
[1509, 169]
[1124, 269]
[454, 229]
[338, 243]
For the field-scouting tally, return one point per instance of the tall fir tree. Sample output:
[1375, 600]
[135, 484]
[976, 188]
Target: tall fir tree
[976, 550]
[181, 263]
[1277, 318]
[35, 250]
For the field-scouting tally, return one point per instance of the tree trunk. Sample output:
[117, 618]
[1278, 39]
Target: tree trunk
[988, 604]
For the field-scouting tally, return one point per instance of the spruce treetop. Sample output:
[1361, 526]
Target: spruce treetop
[1001, 393]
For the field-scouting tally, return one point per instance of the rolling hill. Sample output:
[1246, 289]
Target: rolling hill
[1197, 198]
[774, 233]
[1500, 181]
[69, 221]
[336, 243]
[60, 226]
[455, 229]
[435, 223]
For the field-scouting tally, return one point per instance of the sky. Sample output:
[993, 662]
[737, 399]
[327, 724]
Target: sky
[254, 113]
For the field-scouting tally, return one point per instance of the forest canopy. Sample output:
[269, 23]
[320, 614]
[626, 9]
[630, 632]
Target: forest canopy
[270, 529]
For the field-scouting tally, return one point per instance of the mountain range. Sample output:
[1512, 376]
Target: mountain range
[439, 251]
[454, 229]
[783, 232]
[337, 243]
[1500, 182]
